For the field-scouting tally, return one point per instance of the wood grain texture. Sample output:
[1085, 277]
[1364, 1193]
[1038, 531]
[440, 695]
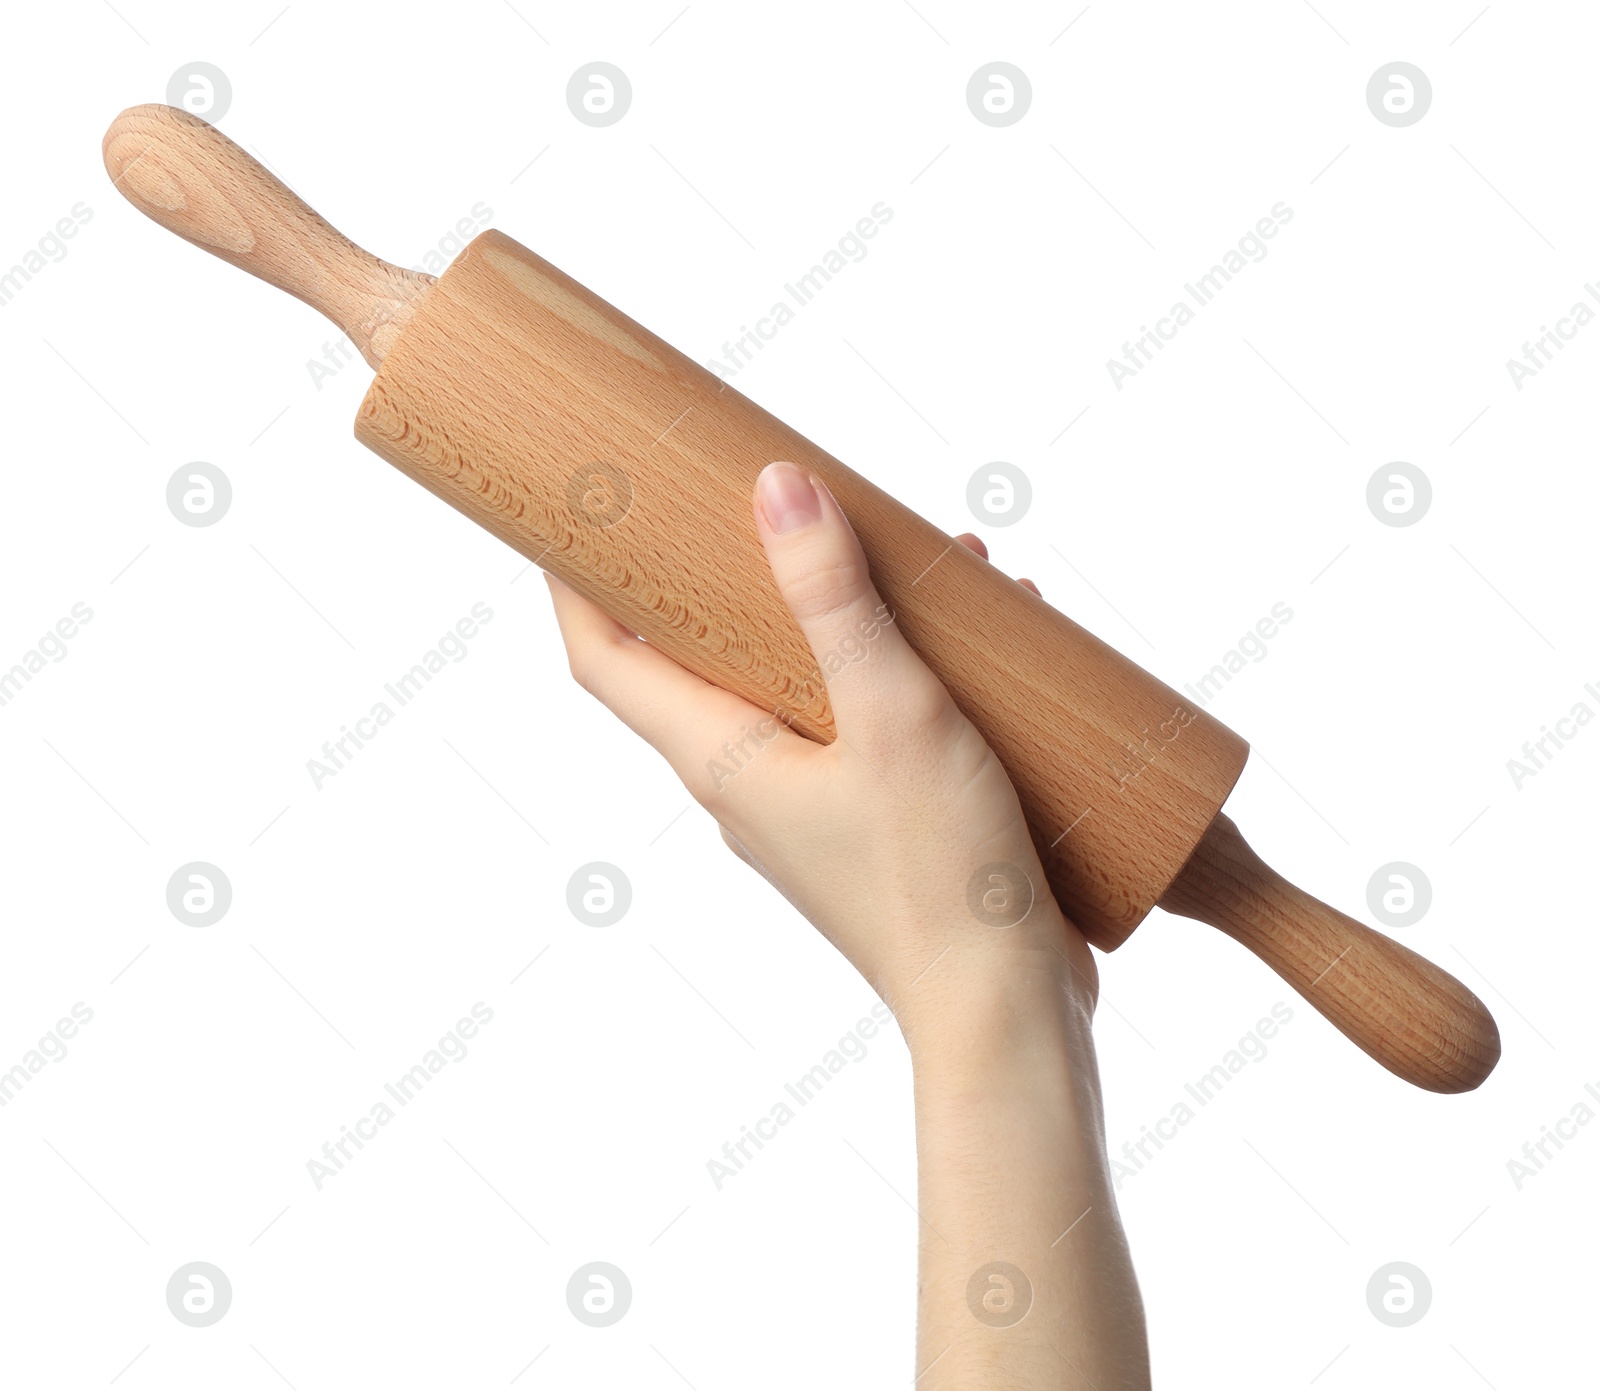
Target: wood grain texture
[600, 452]
[1417, 1020]
[188, 176]
[515, 393]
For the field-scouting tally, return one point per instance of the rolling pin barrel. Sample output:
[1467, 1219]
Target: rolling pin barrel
[605, 455]
[601, 452]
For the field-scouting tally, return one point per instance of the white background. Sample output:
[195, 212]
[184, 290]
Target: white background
[368, 916]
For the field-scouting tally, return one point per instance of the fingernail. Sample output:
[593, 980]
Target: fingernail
[788, 501]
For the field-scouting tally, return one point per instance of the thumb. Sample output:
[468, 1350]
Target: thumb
[822, 574]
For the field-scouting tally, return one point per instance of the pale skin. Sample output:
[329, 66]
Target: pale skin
[876, 838]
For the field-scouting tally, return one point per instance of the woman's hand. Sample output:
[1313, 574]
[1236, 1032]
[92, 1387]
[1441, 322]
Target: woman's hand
[903, 841]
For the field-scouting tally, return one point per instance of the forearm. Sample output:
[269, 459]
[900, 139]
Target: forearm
[864, 835]
[1026, 1281]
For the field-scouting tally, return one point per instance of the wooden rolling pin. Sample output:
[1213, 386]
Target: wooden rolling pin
[608, 457]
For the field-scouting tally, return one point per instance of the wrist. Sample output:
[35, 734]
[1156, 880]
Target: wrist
[1010, 1068]
[993, 1016]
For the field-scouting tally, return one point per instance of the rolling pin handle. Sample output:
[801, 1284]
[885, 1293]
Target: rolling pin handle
[1419, 1021]
[473, 446]
[193, 180]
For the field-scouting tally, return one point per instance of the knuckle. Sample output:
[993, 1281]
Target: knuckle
[925, 709]
[826, 588]
[906, 723]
